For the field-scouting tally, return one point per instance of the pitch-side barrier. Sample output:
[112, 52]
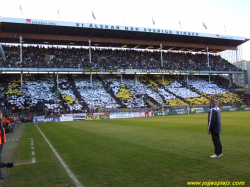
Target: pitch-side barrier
[116, 115]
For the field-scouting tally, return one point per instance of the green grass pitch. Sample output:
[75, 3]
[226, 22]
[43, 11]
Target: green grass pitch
[135, 152]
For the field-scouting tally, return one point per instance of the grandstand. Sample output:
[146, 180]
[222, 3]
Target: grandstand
[125, 69]
[2, 52]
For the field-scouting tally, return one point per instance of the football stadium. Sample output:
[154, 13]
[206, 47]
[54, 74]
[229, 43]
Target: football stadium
[108, 105]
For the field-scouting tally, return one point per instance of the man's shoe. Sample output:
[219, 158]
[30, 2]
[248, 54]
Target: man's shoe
[9, 164]
[215, 156]
[221, 154]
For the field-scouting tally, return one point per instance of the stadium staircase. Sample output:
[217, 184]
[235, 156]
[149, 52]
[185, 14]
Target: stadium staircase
[229, 98]
[109, 90]
[198, 92]
[62, 104]
[64, 111]
[154, 85]
[194, 90]
[151, 104]
[116, 99]
[162, 97]
[156, 58]
[160, 85]
[73, 86]
[178, 97]
[98, 58]
[224, 83]
[54, 88]
[76, 92]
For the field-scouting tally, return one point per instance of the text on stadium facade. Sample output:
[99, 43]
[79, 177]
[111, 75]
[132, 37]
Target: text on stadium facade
[40, 22]
[126, 28]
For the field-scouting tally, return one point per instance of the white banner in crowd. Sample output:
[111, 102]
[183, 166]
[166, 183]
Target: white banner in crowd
[141, 114]
[73, 115]
[66, 118]
[114, 115]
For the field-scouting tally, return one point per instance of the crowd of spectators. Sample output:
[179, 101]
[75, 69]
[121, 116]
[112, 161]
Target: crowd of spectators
[190, 61]
[94, 94]
[178, 89]
[206, 87]
[111, 59]
[35, 95]
[40, 92]
[67, 95]
[130, 94]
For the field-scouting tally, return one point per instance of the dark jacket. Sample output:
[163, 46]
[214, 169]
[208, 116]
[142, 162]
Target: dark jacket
[214, 120]
[2, 135]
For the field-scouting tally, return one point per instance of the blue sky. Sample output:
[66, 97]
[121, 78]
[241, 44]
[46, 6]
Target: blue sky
[229, 17]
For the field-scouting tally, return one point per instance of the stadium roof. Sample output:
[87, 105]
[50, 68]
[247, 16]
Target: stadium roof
[101, 35]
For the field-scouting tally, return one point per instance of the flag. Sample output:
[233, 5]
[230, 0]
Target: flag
[180, 24]
[58, 13]
[93, 15]
[204, 26]
[21, 10]
[153, 21]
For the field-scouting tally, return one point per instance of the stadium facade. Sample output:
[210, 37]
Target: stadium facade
[21, 32]
[33, 31]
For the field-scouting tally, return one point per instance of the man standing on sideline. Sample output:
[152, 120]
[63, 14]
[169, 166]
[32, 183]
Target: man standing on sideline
[2, 141]
[214, 127]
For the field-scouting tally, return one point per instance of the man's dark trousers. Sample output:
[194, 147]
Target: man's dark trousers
[217, 143]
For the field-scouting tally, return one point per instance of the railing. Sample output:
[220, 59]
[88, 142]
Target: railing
[110, 71]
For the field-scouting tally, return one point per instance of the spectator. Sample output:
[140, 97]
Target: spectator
[2, 141]
[114, 59]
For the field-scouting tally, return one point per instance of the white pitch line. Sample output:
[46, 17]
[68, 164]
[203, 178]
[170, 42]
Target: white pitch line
[12, 140]
[33, 160]
[23, 163]
[72, 176]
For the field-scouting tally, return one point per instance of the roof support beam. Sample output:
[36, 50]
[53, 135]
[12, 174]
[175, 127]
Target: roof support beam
[176, 39]
[200, 40]
[136, 36]
[192, 50]
[182, 49]
[91, 33]
[106, 34]
[114, 40]
[149, 47]
[57, 30]
[122, 35]
[222, 42]
[74, 32]
[136, 46]
[151, 36]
